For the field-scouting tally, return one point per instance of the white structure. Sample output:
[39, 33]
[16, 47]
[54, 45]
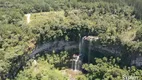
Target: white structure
[28, 18]
[35, 63]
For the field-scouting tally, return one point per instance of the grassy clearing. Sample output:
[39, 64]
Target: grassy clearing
[128, 35]
[58, 17]
[39, 19]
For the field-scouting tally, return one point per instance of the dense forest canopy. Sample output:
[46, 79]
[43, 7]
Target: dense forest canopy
[115, 22]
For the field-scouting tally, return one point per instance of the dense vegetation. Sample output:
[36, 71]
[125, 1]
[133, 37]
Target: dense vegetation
[116, 22]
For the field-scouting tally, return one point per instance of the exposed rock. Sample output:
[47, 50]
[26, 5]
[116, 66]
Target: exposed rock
[90, 38]
[137, 61]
